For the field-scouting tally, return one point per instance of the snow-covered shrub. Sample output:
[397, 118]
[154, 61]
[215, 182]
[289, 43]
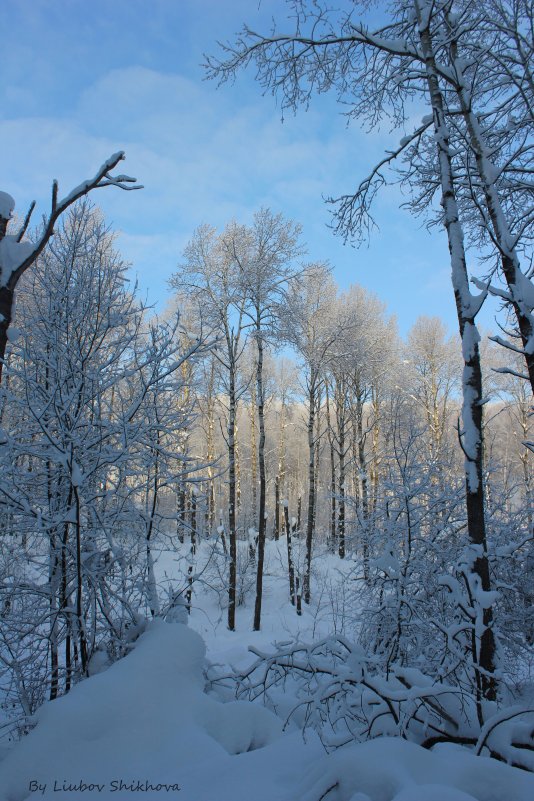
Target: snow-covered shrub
[91, 417]
[343, 693]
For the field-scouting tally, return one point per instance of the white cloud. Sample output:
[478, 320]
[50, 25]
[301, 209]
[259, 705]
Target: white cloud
[203, 156]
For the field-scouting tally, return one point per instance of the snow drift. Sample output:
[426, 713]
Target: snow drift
[145, 728]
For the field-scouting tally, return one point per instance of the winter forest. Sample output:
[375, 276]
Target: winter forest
[257, 543]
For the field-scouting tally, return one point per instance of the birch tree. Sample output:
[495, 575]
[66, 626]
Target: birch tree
[209, 278]
[361, 364]
[375, 72]
[432, 366]
[309, 324]
[489, 52]
[265, 259]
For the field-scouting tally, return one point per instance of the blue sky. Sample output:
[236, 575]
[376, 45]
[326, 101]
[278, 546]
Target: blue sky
[82, 80]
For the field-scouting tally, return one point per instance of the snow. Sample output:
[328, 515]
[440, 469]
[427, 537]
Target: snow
[524, 290]
[486, 599]
[391, 769]
[151, 720]
[12, 255]
[76, 475]
[86, 186]
[435, 791]
[13, 334]
[148, 719]
[470, 340]
[7, 204]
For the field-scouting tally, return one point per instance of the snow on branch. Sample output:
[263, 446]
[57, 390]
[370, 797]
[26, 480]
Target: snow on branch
[343, 694]
[509, 346]
[102, 178]
[15, 255]
[509, 371]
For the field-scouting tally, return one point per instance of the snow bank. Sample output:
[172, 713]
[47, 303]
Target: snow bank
[144, 720]
[147, 722]
[391, 769]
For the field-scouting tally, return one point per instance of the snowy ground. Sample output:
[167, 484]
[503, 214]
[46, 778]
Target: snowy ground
[280, 621]
[146, 721]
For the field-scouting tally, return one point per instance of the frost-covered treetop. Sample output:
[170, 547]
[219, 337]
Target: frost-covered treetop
[7, 204]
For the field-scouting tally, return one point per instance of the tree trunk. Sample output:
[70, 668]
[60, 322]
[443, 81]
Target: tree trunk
[363, 482]
[317, 446]
[253, 449]
[261, 465]
[341, 426]
[79, 585]
[483, 651]
[502, 235]
[192, 549]
[310, 524]
[237, 461]
[290, 567]
[180, 522]
[276, 507]
[375, 461]
[280, 481]
[333, 528]
[65, 598]
[210, 453]
[6, 310]
[232, 534]
[53, 582]
[153, 601]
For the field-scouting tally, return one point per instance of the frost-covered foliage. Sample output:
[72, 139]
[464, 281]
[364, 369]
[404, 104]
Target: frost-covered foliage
[18, 254]
[334, 687]
[465, 166]
[407, 626]
[467, 163]
[93, 405]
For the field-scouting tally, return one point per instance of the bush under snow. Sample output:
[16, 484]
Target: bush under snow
[147, 720]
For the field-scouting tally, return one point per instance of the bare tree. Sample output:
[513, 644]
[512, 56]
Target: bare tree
[309, 324]
[209, 277]
[91, 416]
[17, 254]
[265, 256]
[375, 72]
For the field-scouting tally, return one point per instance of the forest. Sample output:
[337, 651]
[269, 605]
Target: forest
[269, 441]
